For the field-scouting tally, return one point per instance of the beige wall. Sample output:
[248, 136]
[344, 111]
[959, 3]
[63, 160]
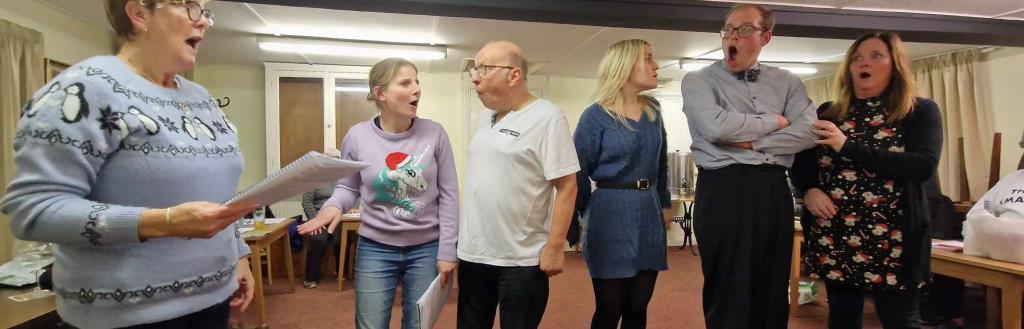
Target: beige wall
[67, 38]
[999, 88]
[442, 101]
[244, 85]
[573, 95]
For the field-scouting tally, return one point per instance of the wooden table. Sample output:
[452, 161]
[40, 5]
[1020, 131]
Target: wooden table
[349, 223]
[1000, 277]
[794, 271]
[36, 313]
[265, 238]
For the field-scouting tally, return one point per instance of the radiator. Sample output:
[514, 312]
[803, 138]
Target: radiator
[288, 208]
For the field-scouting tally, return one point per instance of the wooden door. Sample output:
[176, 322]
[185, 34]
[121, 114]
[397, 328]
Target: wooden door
[301, 117]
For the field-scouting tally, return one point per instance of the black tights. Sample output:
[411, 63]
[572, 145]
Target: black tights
[624, 299]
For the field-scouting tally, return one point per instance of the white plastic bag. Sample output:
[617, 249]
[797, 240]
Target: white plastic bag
[995, 237]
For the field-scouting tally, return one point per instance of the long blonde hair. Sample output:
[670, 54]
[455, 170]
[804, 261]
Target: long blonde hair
[902, 90]
[613, 73]
[382, 73]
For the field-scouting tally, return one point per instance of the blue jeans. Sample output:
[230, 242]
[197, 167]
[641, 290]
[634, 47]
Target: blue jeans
[378, 269]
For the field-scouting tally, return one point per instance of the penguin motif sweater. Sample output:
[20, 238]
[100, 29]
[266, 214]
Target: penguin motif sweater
[409, 193]
[93, 148]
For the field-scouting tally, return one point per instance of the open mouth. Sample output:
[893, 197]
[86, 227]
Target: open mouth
[731, 53]
[864, 75]
[194, 42]
[415, 103]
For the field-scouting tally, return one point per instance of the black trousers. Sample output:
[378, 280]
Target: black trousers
[896, 309]
[521, 292]
[317, 243]
[743, 221]
[624, 299]
[213, 317]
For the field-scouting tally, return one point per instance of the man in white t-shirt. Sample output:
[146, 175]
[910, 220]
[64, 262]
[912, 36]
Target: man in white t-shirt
[512, 233]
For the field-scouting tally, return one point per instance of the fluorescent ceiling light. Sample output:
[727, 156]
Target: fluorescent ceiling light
[694, 66]
[795, 70]
[370, 34]
[780, 3]
[800, 70]
[714, 54]
[355, 49]
[909, 11]
[353, 89]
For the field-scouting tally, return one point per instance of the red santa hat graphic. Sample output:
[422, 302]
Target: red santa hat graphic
[397, 160]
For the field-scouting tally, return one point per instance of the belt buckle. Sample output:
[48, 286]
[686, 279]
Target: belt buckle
[643, 184]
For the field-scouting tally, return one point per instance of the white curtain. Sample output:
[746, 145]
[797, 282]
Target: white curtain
[950, 81]
[21, 74]
[820, 89]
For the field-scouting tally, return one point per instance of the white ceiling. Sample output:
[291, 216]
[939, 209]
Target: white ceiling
[569, 50]
[998, 9]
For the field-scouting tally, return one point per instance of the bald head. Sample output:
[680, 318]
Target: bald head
[503, 52]
[501, 79]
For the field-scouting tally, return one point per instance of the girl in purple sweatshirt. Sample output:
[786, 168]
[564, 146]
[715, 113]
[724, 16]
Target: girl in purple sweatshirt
[409, 199]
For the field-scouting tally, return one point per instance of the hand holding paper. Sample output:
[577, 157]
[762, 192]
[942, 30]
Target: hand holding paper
[446, 271]
[432, 302]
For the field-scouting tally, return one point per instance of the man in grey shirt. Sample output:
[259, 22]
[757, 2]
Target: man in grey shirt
[747, 121]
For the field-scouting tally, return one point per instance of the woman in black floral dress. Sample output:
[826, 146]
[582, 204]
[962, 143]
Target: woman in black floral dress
[866, 218]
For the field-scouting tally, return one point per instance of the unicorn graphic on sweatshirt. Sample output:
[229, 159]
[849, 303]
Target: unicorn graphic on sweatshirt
[400, 182]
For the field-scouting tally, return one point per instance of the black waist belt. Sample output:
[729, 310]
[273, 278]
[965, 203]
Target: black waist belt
[640, 184]
[763, 167]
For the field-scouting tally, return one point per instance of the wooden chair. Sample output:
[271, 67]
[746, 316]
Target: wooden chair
[965, 202]
[965, 190]
[265, 255]
[993, 166]
[1020, 164]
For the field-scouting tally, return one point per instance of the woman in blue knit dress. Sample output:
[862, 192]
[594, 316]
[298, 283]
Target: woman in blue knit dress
[620, 141]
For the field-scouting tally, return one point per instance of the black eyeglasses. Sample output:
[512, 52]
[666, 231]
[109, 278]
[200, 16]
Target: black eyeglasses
[195, 11]
[481, 70]
[743, 31]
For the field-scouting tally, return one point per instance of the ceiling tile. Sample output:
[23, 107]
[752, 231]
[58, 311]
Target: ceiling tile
[986, 8]
[569, 50]
[1015, 16]
[349, 25]
[810, 3]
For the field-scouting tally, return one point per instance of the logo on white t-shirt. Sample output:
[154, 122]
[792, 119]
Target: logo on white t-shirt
[509, 132]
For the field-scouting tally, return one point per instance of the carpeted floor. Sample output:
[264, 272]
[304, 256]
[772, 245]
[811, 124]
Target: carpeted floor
[676, 303]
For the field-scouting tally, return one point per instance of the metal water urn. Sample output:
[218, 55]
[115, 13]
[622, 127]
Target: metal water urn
[681, 174]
